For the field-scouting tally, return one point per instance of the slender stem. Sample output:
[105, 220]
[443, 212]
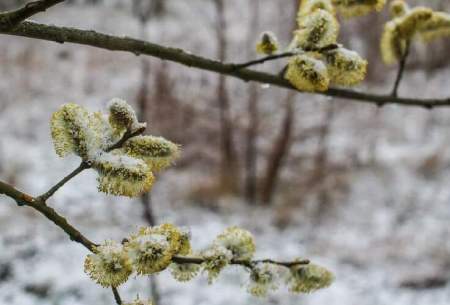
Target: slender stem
[117, 297]
[38, 204]
[401, 69]
[127, 135]
[57, 186]
[283, 55]
[115, 43]
[247, 263]
[85, 165]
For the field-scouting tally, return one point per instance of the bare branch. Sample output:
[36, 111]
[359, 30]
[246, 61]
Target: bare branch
[246, 263]
[10, 19]
[23, 199]
[114, 43]
[401, 69]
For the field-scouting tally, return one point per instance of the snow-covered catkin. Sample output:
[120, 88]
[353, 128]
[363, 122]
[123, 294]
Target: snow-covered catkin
[438, 26]
[109, 265]
[122, 116]
[239, 241]
[216, 258]
[309, 278]
[307, 73]
[309, 6]
[345, 67]
[151, 249]
[267, 44]
[316, 30]
[262, 279]
[157, 152]
[184, 272]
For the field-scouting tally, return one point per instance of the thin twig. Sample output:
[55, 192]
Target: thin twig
[115, 43]
[401, 69]
[283, 55]
[83, 165]
[12, 18]
[246, 263]
[117, 297]
[23, 199]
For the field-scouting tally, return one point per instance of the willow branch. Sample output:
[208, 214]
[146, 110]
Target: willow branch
[23, 199]
[57, 186]
[135, 46]
[12, 18]
[283, 55]
[246, 263]
[401, 70]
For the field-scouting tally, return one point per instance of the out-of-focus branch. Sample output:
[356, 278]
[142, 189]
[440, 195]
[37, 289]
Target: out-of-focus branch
[117, 297]
[115, 43]
[12, 18]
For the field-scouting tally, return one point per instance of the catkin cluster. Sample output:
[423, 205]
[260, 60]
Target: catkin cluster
[126, 170]
[408, 24]
[155, 249]
[319, 60]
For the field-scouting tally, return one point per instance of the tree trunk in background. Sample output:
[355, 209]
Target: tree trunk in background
[279, 151]
[144, 9]
[229, 177]
[252, 109]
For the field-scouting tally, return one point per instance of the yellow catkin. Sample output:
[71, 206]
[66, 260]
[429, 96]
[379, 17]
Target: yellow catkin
[316, 30]
[345, 67]
[309, 6]
[354, 8]
[268, 44]
[307, 73]
[398, 33]
[437, 26]
[398, 8]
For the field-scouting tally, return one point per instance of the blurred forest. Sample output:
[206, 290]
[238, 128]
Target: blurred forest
[363, 187]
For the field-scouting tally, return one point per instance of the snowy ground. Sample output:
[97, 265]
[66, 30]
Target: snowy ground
[391, 228]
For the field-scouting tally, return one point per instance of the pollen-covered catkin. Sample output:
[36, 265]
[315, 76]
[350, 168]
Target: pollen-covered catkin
[151, 249]
[122, 116]
[316, 30]
[157, 152]
[309, 278]
[399, 32]
[354, 8]
[345, 67]
[122, 175]
[307, 73]
[238, 241]
[109, 265]
[263, 278]
[184, 272]
[309, 6]
[267, 44]
[216, 258]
